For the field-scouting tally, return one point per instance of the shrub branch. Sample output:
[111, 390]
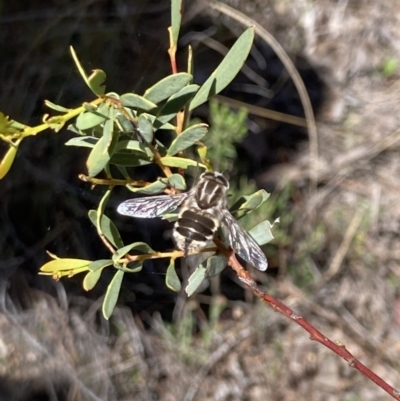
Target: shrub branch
[316, 335]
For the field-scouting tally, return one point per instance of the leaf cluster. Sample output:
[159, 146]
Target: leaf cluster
[121, 132]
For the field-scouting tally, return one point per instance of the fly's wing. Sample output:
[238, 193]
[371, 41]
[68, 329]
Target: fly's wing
[243, 243]
[151, 206]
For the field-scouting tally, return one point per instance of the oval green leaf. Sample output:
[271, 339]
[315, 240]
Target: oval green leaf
[249, 203]
[124, 124]
[111, 298]
[227, 69]
[177, 181]
[129, 160]
[102, 151]
[171, 279]
[180, 162]
[167, 87]
[107, 227]
[83, 141]
[145, 127]
[91, 279]
[176, 17]
[187, 138]
[137, 102]
[176, 103]
[195, 280]
[262, 232]
[89, 120]
[133, 145]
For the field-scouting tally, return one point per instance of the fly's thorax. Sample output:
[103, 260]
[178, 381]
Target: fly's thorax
[211, 191]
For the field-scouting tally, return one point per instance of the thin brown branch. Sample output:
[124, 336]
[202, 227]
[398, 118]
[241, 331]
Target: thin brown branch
[315, 334]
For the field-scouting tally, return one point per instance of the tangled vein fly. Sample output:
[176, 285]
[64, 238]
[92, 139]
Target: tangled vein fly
[204, 210]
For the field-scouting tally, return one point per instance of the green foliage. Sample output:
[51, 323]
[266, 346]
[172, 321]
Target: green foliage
[390, 67]
[121, 131]
[227, 129]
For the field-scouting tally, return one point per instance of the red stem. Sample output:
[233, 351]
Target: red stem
[316, 335]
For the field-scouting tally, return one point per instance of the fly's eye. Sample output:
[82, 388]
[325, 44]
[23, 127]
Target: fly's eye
[207, 174]
[221, 179]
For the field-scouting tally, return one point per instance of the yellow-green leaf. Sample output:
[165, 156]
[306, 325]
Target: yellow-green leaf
[8, 160]
[97, 81]
[64, 264]
[180, 162]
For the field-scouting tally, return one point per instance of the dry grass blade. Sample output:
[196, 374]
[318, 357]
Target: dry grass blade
[344, 246]
[221, 352]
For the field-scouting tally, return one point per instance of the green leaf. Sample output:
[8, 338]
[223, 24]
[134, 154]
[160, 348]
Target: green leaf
[56, 107]
[215, 265]
[176, 103]
[112, 294]
[176, 17]
[156, 187]
[107, 227]
[124, 124]
[177, 181]
[89, 120]
[145, 127]
[262, 232]
[64, 264]
[187, 138]
[249, 203]
[255, 200]
[195, 280]
[227, 69]
[100, 264]
[135, 146]
[139, 247]
[171, 279]
[136, 267]
[97, 81]
[167, 87]
[91, 279]
[137, 102]
[102, 151]
[83, 141]
[157, 124]
[129, 160]
[180, 162]
[8, 160]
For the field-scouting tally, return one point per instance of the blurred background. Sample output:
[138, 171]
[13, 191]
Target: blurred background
[335, 257]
